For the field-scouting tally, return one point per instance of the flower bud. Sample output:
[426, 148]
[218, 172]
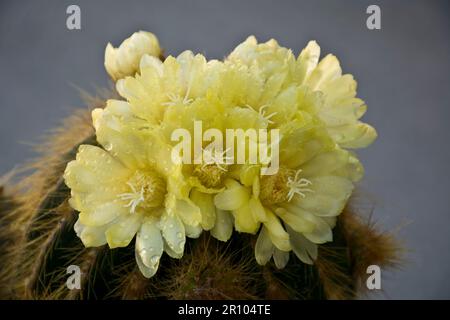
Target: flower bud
[124, 60]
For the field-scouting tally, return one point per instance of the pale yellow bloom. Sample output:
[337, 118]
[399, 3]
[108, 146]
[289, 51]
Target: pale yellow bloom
[298, 206]
[176, 81]
[339, 109]
[131, 187]
[124, 60]
[209, 178]
[170, 95]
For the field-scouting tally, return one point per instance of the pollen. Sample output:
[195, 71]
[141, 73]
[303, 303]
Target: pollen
[210, 175]
[274, 188]
[283, 186]
[147, 190]
[213, 167]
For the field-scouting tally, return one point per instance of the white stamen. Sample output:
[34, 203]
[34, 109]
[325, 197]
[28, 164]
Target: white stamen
[298, 186]
[135, 197]
[216, 157]
[262, 113]
[177, 99]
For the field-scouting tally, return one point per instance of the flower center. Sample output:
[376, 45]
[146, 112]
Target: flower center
[298, 185]
[283, 186]
[213, 167]
[147, 190]
[210, 175]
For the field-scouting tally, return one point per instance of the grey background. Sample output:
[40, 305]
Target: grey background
[402, 70]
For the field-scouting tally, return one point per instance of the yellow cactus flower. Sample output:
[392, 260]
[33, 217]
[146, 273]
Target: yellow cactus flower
[298, 206]
[124, 60]
[160, 84]
[131, 187]
[272, 59]
[170, 95]
[208, 176]
[340, 109]
[166, 172]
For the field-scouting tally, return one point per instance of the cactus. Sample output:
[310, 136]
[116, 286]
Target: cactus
[38, 243]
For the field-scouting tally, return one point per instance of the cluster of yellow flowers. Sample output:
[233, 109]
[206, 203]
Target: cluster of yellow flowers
[132, 187]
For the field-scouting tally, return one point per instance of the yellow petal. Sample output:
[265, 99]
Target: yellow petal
[223, 226]
[80, 178]
[248, 173]
[146, 271]
[90, 236]
[123, 230]
[284, 106]
[307, 61]
[101, 163]
[264, 247]
[154, 64]
[90, 188]
[325, 163]
[124, 60]
[193, 231]
[102, 214]
[173, 232]
[340, 94]
[281, 258]
[122, 134]
[327, 70]
[172, 253]
[189, 213]
[206, 204]
[305, 250]
[357, 135]
[233, 197]
[258, 211]
[329, 196]
[277, 234]
[302, 140]
[244, 220]
[296, 222]
[321, 233]
[149, 247]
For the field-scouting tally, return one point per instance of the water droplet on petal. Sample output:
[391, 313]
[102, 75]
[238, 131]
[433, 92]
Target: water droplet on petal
[154, 259]
[108, 146]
